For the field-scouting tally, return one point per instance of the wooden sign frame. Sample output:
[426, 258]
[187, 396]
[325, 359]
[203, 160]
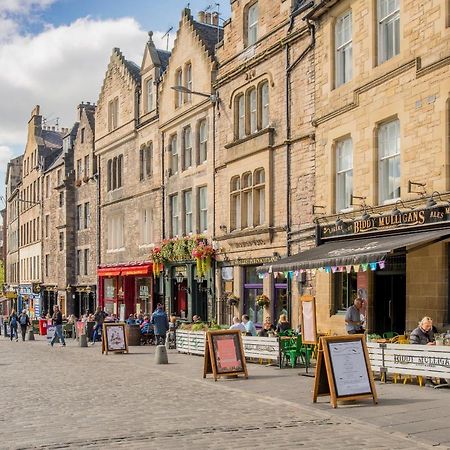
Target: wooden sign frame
[308, 299]
[212, 358]
[325, 379]
[105, 343]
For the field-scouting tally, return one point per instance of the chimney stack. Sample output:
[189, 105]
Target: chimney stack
[208, 18]
[201, 16]
[215, 19]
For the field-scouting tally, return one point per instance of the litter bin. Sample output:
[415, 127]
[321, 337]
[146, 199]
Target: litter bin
[43, 327]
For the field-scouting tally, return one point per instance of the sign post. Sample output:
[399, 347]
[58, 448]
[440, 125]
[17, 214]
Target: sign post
[343, 370]
[224, 354]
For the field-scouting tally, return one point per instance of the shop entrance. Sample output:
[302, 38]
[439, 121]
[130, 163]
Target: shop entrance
[390, 302]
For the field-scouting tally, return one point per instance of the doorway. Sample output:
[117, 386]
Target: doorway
[390, 302]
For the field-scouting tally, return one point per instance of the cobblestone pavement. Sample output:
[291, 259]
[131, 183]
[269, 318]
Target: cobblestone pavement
[72, 397]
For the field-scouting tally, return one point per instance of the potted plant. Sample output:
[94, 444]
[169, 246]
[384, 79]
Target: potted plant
[232, 300]
[263, 301]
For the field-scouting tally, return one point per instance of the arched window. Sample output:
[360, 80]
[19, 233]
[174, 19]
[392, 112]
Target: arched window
[247, 200]
[145, 161]
[252, 110]
[240, 117]
[235, 203]
[264, 104]
[259, 197]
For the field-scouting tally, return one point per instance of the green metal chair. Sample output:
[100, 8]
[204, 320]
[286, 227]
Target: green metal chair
[389, 334]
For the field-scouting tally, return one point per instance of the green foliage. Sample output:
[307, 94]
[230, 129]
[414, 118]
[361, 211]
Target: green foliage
[2, 273]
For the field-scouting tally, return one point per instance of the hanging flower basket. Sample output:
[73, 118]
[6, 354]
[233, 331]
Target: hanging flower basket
[263, 301]
[232, 300]
[157, 260]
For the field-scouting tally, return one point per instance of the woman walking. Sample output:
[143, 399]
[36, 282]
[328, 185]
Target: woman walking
[13, 319]
[24, 322]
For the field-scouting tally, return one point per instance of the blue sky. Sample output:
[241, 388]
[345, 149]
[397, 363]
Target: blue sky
[54, 53]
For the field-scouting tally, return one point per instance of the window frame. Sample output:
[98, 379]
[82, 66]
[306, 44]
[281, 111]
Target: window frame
[187, 149]
[384, 53]
[188, 213]
[252, 24]
[149, 95]
[202, 141]
[174, 156]
[342, 174]
[341, 50]
[174, 215]
[202, 209]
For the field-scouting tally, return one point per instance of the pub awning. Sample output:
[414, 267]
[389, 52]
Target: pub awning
[124, 270]
[137, 270]
[353, 251]
[109, 272]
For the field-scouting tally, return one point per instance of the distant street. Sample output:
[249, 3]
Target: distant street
[76, 398]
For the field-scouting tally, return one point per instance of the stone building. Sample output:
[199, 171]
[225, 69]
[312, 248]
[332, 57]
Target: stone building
[128, 150]
[264, 165]
[382, 163]
[86, 230]
[42, 148]
[58, 218]
[187, 124]
[12, 227]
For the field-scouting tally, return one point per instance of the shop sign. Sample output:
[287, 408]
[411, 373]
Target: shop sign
[425, 361]
[25, 290]
[144, 292]
[250, 261]
[387, 222]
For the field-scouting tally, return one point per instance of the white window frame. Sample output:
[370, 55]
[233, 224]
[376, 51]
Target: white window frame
[344, 174]
[252, 24]
[253, 110]
[146, 226]
[150, 95]
[174, 163]
[241, 116]
[187, 208]
[187, 147]
[388, 15]
[115, 233]
[203, 141]
[188, 81]
[203, 209]
[343, 49]
[174, 215]
[264, 99]
[389, 151]
[178, 82]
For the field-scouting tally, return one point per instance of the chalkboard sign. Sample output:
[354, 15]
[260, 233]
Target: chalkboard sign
[224, 354]
[114, 338]
[308, 319]
[343, 369]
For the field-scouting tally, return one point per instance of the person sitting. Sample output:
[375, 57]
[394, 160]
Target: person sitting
[146, 326]
[238, 325]
[354, 323]
[423, 334]
[172, 336]
[131, 320]
[267, 328]
[196, 319]
[249, 325]
[283, 324]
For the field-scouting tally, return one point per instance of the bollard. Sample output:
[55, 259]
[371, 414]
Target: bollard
[161, 355]
[83, 340]
[30, 335]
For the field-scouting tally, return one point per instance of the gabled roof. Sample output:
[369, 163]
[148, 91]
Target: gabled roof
[134, 70]
[211, 35]
[163, 58]
[50, 139]
[90, 115]
[55, 160]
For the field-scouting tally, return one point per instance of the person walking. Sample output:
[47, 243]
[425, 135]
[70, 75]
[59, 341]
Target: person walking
[160, 321]
[24, 322]
[57, 321]
[99, 317]
[13, 320]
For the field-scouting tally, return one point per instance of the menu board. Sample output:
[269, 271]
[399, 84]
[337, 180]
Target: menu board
[349, 368]
[343, 369]
[114, 338]
[309, 330]
[224, 354]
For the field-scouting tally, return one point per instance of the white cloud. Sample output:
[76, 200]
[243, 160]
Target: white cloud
[22, 6]
[57, 69]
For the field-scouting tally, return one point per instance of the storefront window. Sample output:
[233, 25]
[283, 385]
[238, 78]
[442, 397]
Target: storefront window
[109, 294]
[143, 295]
[252, 288]
[344, 290]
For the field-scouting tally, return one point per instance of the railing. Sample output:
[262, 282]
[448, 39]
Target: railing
[193, 342]
[415, 360]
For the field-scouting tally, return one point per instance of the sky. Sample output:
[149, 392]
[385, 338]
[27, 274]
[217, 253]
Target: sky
[54, 53]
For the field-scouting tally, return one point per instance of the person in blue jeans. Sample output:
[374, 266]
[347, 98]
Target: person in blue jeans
[57, 321]
[99, 317]
[13, 320]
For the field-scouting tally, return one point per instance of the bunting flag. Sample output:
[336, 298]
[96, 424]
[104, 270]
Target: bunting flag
[334, 269]
[270, 269]
[296, 273]
[356, 267]
[381, 264]
[328, 269]
[261, 275]
[286, 274]
[313, 272]
[373, 266]
[290, 273]
[266, 275]
[321, 269]
[348, 269]
[365, 266]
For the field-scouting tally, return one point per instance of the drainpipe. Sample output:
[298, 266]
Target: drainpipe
[289, 68]
[163, 210]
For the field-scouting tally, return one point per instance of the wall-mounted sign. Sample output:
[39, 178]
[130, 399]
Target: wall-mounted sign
[387, 222]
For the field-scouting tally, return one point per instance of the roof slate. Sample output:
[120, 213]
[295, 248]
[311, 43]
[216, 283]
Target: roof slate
[211, 35]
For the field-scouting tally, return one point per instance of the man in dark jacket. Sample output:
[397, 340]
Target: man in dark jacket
[99, 318]
[24, 322]
[423, 334]
[160, 322]
[57, 321]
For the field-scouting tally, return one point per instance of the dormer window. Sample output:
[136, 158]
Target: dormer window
[178, 82]
[252, 24]
[149, 92]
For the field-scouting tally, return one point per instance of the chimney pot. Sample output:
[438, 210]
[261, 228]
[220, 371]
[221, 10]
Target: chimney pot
[201, 16]
[215, 19]
[208, 18]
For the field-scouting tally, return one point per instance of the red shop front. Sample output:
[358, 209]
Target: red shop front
[126, 289]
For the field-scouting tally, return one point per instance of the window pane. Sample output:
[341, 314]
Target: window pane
[150, 95]
[252, 24]
[174, 213]
[253, 111]
[241, 117]
[389, 160]
[203, 142]
[174, 155]
[265, 105]
[203, 207]
[187, 148]
[344, 174]
[188, 212]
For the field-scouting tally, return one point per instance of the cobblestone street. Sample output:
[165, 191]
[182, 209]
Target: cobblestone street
[76, 398]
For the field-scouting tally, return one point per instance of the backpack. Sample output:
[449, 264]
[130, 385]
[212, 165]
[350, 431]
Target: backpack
[23, 320]
[13, 321]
